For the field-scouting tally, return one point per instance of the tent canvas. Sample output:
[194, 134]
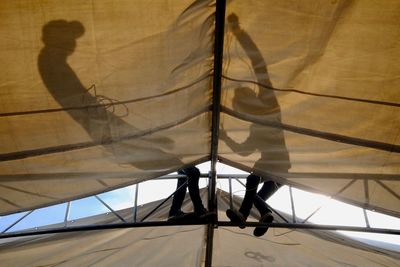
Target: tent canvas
[98, 95]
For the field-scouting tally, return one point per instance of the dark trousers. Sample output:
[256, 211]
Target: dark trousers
[193, 176]
[250, 197]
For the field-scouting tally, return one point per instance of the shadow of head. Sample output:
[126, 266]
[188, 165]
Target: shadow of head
[233, 21]
[62, 34]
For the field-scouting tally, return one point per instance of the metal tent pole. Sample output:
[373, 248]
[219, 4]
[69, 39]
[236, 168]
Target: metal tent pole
[292, 204]
[216, 109]
[221, 223]
[67, 213]
[136, 203]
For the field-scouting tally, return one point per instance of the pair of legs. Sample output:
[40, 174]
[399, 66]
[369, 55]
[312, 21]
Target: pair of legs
[193, 176]
[258, 199]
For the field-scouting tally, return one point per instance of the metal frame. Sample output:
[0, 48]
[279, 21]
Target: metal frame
[216, 109]
[67, 213]
[219, 223]
[301, 225]
[210, 225]
[165, 200]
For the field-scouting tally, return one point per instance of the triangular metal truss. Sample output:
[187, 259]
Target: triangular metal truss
[289, 222]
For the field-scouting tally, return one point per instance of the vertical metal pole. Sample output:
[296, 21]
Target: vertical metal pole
[136, 200]
[292, 203]
[366, 218]
[67, 213]
[211, 190]
[216, 109]
[366, 191]
[230, 194]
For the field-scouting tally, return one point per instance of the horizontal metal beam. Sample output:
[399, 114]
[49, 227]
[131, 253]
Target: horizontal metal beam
[220, 223]
[315, 227]
[308, 175]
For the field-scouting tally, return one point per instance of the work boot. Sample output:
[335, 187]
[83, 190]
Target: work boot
[181, 216]
[236, 217]
[266, 218]
[206, 215]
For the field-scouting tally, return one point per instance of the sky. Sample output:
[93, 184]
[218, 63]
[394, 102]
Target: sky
[331, 212]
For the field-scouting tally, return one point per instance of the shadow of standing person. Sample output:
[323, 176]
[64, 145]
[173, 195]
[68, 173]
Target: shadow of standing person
[270, 142]
[90, 111]
[103, 126]
[59, 37]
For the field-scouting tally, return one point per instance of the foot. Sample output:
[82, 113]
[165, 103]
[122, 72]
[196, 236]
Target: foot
[181, 216]
[205, 215]
[236, 217]
[266, 218]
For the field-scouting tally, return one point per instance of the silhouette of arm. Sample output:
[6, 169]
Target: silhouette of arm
[257, 61]
[236, 147]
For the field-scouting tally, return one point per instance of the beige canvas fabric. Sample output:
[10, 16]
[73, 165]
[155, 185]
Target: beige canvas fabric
[184, 245]
[150, 246]
[289, 247]
[311, 95]
[96, 95]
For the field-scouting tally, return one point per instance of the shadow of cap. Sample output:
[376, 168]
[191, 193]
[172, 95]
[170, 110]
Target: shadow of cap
[58, 31]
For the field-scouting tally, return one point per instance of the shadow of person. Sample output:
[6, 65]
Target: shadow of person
[268, 141]
[102, 125]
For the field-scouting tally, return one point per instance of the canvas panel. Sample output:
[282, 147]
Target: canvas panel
[290, 247]
[149, 246]
[56, 177]
[88, 87]
[285, 247]
[312, 163]
[312, 87]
